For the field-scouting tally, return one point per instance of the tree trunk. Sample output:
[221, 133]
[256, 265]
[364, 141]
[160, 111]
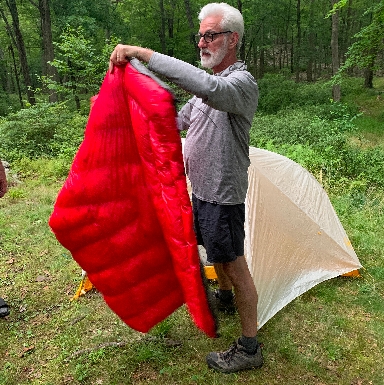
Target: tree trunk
[298, 47]
[261, 68]
[170, 19]
[336, 92]
[262, 63]
[21, 49]
[348, 27]
[288, 46]
[47, 45]
[16, 76]
[12, 53]
[368, 78]
[368, 71]
[311, 43]
[191, 24]
[162, 28]
[242, 47]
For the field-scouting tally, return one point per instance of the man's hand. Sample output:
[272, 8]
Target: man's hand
[123, 53]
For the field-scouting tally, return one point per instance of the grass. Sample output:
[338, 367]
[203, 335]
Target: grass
[331, 335]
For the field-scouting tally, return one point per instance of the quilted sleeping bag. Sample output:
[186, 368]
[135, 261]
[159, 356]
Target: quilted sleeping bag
[124, 212]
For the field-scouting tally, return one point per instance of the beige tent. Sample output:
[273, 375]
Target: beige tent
[294, 239]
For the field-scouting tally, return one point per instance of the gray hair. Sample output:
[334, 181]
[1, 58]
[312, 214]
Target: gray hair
[232, 18]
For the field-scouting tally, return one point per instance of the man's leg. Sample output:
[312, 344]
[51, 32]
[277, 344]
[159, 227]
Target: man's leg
[222, 278]
[246, 294]
[224, 297]
[245, 353]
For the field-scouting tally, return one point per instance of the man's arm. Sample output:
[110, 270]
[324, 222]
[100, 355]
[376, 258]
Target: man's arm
[122, 53]
[236, 93]
[230, 94]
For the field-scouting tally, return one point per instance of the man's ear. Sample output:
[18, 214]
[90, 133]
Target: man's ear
[233, 39]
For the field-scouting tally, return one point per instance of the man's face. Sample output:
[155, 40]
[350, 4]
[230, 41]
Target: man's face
[212, 53]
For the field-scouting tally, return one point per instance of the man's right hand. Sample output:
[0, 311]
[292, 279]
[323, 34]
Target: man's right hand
[123, 53]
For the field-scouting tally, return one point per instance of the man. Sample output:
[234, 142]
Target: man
[218, 119]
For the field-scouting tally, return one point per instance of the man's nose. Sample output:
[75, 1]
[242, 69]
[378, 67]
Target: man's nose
[202, 43]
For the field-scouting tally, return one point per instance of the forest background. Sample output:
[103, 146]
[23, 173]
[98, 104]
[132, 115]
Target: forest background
[319, 65]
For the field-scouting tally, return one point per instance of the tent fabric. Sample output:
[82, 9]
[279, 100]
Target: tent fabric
[294, 238]
[124, 211]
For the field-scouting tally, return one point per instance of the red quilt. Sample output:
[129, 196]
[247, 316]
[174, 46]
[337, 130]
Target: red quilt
[124, 212]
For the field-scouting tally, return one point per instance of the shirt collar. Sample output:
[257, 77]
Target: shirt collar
[237, 66]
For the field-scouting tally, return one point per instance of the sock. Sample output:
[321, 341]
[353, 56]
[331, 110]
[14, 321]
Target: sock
[226, 295]
[249, 343]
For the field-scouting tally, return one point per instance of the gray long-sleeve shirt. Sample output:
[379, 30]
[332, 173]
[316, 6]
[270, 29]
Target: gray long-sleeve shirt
[218, 119]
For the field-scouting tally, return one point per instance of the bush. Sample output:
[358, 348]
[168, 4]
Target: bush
[8, 103]
[278, 93]
[320, 143]
[302, 126]
[43, 170]
[44, 130]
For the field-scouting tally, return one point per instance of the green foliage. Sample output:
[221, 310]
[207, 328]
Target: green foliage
[369, 42]
[44, 130]
[42, 170]
[278, 92]
[8, 103]
[319, 138]
[337, 7]
[303, 126]
[80, 66]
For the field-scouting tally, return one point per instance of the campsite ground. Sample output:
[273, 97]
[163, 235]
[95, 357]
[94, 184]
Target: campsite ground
[332, 334]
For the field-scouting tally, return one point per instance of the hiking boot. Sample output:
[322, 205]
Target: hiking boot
[235, 359]
[225, 306]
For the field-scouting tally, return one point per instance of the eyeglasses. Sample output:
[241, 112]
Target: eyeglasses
[208, 37]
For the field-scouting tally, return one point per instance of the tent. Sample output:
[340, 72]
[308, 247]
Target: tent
[294, 238]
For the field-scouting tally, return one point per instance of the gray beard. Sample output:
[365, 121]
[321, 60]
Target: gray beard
[215, 58]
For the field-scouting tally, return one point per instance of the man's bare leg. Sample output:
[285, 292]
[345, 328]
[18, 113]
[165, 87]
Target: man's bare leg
[246, 294]
[246, 352]
[222, 278]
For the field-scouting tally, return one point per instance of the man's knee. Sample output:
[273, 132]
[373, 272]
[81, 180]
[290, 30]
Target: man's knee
[236, 269]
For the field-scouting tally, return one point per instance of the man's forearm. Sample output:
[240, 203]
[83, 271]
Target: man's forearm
[123, 53]
[144, 54]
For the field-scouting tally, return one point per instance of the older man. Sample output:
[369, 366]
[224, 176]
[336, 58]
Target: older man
[218, 119]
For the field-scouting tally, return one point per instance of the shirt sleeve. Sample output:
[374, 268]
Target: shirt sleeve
[184, 115]
[232, 93]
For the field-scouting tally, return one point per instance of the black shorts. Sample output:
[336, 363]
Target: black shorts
[220, 229]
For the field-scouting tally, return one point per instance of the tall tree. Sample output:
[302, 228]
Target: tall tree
[369, 42]
[311, 41]
[12, 54]
[47, 43]
[191, 24]
[298, 40]
[336, 92]
[19, 41]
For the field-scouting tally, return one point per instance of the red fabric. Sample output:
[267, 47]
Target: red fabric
[124, 212]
